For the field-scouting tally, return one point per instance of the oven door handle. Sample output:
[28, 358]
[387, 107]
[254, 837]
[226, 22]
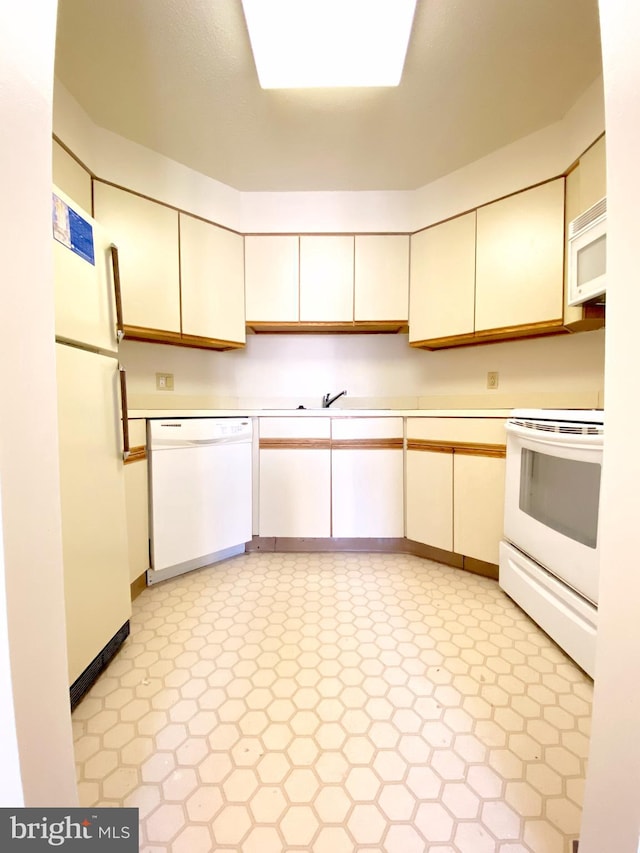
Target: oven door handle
[556, 439]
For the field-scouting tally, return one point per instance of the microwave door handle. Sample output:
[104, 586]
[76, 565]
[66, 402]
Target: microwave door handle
[126, 448]
[115, 261]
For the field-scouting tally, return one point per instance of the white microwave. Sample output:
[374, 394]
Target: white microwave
[588, 254]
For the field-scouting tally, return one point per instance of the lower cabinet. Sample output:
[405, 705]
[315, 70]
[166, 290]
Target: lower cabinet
[136, 486]
[455, 484]
[478, 505]
[367, 474]
[430, 498]
[295, 477]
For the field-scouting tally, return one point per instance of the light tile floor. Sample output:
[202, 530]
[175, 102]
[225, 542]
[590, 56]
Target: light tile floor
[334, 703]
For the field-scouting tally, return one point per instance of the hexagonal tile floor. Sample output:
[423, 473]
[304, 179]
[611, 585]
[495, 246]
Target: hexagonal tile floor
[337, 702]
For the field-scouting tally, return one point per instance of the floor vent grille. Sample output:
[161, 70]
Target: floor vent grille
[84, 681]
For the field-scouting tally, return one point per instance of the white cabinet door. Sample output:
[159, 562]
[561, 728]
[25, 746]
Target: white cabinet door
[212, 281]
[442, 289]
[367, 481]
[146, 234]
[520, 257]
[295, 492]
[271, 278]
[430, 498]
[295, 477]
[478, 506]
[381, 277]
[136, 485]
[367, 493]
[326, 279]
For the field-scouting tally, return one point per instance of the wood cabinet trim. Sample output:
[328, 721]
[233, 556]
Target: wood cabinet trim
[136, 454]
[74, 157]
[295, 444]
[331, 444]
[160, 336]
[367, 443]
[330, 328]
[487, 336]
[465, 448]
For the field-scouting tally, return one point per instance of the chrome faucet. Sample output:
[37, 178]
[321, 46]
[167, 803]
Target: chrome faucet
[327, 400]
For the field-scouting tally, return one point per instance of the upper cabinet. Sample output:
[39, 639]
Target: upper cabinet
[442, 283]
[491, 274]
[381, 277]
[326, 279]
[339, 282]
[271, 264]
[182, 279]
[519, 259]
[212, 281]
[146, 234]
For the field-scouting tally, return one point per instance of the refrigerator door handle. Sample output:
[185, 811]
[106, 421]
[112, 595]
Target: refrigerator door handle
[125, 414]
[115, 261]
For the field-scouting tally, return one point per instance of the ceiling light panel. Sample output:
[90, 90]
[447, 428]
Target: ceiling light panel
[329, 43]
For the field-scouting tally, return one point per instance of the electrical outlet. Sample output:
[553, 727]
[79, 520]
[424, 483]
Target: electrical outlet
[492, 379]
[164, 381]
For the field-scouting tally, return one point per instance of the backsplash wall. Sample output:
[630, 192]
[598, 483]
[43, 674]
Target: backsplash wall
[378, 371]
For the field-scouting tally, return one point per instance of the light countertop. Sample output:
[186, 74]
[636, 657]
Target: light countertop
[319, 413]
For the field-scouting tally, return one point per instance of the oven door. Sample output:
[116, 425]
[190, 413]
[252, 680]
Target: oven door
[552, 497]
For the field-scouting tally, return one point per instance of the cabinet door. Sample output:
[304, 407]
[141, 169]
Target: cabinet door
[295, 492]
[478, 506]
[295, 477]
[367, 493]
[146, 234]
[367, 477]
[430, 498]
[381, 277]
[271, 278]
[137, 503]
[326, 279]
[442, 284]
[519, 258]
[212, 281]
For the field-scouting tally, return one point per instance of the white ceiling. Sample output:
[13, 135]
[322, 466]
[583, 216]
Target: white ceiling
[177, 76]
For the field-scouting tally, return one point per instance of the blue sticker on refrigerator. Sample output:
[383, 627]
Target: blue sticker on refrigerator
[74, 232]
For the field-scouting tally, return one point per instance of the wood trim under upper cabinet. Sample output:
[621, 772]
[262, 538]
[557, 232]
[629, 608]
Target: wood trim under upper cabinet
[295, 444]
[488, 336]
[159, 336]
[136, 454]
[497, 451]
[360, 326]
[367, 444]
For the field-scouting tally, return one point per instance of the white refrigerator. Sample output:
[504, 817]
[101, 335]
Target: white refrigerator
[92, 444]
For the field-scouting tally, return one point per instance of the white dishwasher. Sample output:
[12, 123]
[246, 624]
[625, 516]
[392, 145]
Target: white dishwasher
[200, 492]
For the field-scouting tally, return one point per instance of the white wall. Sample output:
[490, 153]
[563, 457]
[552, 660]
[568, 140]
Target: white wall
[534, 158]
[376, 370]
[31, 568]
[611, 815]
